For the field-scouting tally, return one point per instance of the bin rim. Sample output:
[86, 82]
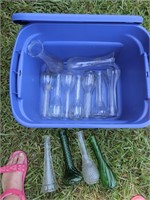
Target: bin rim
[24, 18]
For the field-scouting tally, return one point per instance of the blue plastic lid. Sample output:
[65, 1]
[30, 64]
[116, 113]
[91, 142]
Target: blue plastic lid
[24, 18]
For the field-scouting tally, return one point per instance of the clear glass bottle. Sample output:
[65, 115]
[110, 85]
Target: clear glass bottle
[56, 110]
[113, 77]
[77, 107]
[36, 50]
[49, 183]
[46, 82]
[100, 109]
[68, 81]
[89, 169]
[83, 63]
[88, 86]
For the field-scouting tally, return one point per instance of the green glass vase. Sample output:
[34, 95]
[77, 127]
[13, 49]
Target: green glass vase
[72, 175]
[106, 175]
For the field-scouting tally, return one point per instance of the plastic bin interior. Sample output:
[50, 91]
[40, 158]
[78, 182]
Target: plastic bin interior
[68, 35]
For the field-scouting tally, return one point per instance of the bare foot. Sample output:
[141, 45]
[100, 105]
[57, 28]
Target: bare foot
[13, 179]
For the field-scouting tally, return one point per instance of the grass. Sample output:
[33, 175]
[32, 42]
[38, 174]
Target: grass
[126, 150]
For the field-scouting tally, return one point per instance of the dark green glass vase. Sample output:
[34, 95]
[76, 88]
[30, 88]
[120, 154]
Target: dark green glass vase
[106, 174]
[72, 175]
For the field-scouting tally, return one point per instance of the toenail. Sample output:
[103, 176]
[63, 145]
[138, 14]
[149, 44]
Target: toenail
[21, 154]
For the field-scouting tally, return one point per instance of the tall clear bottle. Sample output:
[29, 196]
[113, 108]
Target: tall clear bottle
[113, 77]
[49, 183]
[88, 86]
[100, 110]
[89, 169]
[68, 81]
[56, 110]
[46, 83]
[77, 107]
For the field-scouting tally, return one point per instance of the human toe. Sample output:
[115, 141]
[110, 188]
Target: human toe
[15, 159]
[12, 160]
[21, 158]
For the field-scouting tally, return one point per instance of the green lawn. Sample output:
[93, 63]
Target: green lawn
[127, 151]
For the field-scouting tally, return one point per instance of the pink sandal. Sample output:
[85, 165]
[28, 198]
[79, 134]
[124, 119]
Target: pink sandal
[13, 168]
